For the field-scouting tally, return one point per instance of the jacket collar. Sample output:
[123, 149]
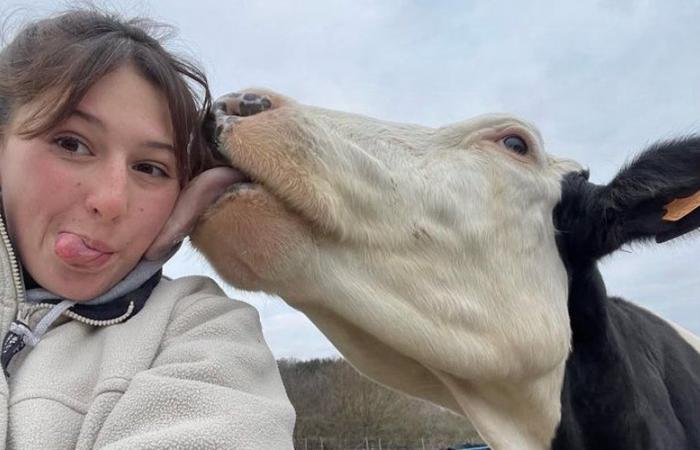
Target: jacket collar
[116, 310]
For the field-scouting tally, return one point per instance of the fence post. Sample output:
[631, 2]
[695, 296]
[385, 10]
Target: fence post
[306, 444]
[321, 443]
[422, 443]
[380, 443]
[366, 443]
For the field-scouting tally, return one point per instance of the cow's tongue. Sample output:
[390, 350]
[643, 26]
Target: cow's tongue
[72, 249]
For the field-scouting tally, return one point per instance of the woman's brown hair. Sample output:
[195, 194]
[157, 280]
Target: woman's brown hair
[52, 63]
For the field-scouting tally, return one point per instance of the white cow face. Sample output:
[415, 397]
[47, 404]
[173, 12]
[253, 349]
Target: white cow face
[418, 251]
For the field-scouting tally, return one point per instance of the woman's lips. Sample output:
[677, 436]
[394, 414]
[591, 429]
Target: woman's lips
[75, 251]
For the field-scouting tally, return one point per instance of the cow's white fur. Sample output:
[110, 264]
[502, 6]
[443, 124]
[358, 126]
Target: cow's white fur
[689, 337]
[427, 256]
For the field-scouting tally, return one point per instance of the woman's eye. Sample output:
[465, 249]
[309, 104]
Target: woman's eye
[72, 145]
[150, 169]
[516, 144]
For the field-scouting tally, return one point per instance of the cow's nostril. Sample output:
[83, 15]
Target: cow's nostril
[219, 106]
[253, 104]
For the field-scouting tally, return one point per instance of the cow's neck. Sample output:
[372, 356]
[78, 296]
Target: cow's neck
[593, 363]
[511, 415]
[495, 354]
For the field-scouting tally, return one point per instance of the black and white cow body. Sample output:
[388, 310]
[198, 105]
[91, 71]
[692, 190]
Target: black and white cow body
[631, 381]
[458, 265]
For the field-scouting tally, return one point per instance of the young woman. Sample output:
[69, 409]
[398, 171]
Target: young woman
[99, 349]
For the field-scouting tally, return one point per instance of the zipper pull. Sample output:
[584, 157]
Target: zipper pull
[20, 334]
[13, 343]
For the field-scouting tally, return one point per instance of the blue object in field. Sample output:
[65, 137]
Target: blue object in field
[470, 447]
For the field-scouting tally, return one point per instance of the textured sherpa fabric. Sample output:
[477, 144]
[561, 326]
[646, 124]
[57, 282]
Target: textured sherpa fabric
[190, 371]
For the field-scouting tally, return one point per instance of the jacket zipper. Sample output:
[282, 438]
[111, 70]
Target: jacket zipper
[12, 343]
[14, 265]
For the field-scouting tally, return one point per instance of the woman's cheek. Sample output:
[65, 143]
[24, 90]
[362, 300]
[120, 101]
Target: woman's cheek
[154, 211]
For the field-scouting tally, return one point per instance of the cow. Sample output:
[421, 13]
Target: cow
[459, 265]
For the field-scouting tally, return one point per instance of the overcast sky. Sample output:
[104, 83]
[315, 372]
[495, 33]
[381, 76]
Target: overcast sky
[600, 79]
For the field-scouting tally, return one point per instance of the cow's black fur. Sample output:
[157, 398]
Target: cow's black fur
[631, 381]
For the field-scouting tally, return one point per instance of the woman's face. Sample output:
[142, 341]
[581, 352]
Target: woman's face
[85, 201]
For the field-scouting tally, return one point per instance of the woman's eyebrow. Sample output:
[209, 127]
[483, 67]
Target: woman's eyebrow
[94, 120]
[159, 145]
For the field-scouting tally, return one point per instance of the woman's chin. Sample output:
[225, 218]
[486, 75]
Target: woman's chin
[85, 293]
[79, 283]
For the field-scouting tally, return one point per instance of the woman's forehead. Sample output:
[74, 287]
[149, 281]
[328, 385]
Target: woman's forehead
[125, 97]
[121, 101]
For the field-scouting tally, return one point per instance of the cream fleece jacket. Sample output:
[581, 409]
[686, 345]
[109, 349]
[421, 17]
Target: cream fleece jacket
[189, 371]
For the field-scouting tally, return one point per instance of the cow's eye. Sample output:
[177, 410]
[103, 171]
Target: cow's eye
[515, 144]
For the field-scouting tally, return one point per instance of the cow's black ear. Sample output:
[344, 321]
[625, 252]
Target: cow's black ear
[640, 203]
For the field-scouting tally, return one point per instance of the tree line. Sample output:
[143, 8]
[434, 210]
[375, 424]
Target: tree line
[339, 409]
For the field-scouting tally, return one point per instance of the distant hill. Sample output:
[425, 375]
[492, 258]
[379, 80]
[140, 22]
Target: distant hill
[339, 409]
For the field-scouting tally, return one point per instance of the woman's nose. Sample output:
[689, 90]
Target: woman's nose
[108, 197]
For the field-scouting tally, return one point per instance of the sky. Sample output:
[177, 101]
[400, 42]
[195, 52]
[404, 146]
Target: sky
[601, 80]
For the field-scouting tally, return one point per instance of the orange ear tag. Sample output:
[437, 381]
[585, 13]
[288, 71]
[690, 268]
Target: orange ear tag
[681, 207]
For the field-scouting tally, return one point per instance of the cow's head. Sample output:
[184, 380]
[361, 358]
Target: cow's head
[414, 249]
[424, 254]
